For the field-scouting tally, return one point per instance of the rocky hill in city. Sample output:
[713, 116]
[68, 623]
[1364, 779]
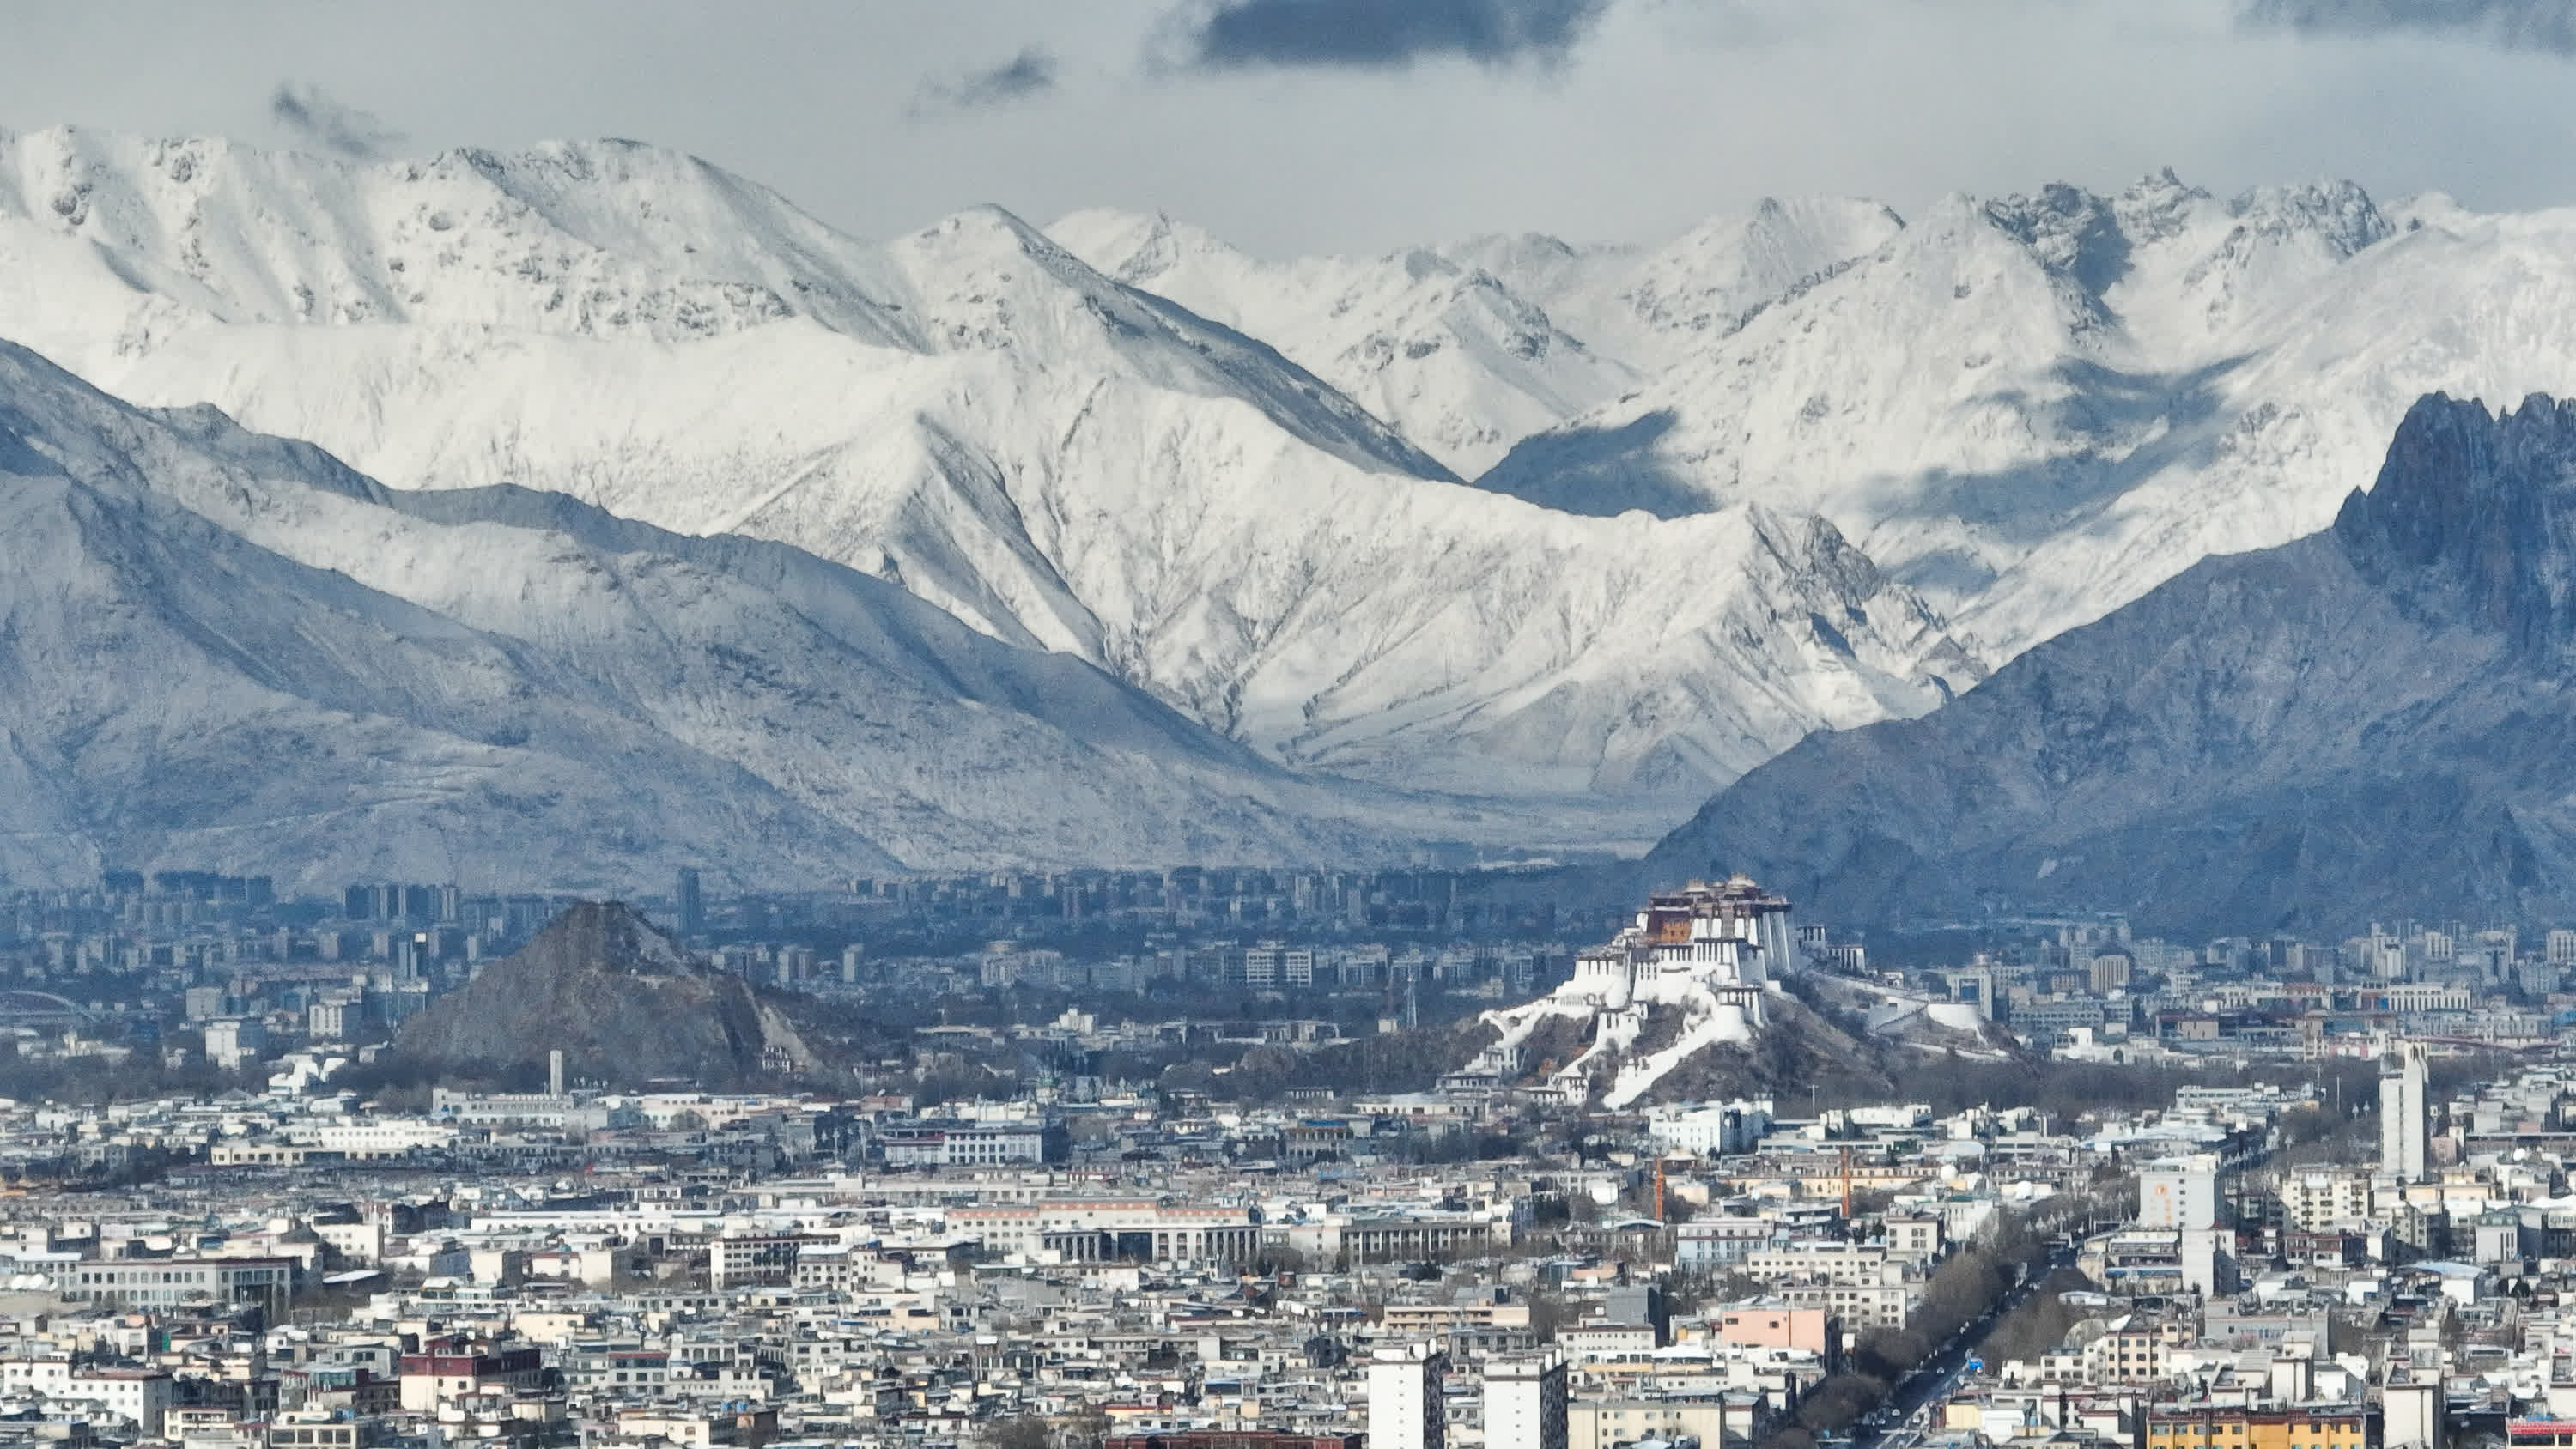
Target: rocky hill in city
[2370, 722]
[624, 1002]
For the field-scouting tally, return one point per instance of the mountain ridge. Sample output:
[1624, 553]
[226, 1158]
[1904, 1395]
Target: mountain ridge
[1060, 461]
[453, 679]
[2019, 411]
[2360, 723]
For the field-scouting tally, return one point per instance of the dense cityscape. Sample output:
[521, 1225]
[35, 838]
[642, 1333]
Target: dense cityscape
[2269, 1192]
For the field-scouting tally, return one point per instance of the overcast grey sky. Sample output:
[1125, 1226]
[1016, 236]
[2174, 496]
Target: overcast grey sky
[1296, 125]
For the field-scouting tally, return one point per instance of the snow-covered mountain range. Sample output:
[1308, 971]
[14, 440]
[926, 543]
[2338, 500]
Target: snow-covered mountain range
[1060, 460]
[2035, 409]
[218, 645]
[1593, 529]
[1469, 348]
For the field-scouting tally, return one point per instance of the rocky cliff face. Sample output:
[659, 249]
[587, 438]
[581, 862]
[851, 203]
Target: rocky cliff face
[2368, 722]
[621, 1000]
[2474, 519]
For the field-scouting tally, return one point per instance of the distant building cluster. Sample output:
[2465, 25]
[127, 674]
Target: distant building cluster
[2093, 991]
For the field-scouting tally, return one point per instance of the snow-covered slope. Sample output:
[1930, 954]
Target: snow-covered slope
[1445, 352]
[1057, 459]
[2036, 408]
[1652, 308]
[224, 649]
[1469, 348]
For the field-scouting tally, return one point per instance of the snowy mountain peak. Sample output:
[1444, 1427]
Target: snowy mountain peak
[2157, 206]
[593, 239]
[1445, 351]
[986, 234]
[2072, 232]
[2339, 214]
[1705, 284]
[1136, 247]
[2097, 241]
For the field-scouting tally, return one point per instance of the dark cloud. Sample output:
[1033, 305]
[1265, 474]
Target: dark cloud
[2547, 26]
[317, 119]
[1032, 72]
[1235, 34]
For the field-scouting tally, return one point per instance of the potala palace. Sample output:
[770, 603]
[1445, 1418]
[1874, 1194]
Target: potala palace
[1713, 954]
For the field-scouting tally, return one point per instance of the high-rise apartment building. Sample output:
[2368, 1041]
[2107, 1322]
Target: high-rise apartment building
[691, 904]
[1404, 1408]
[2405, 1122]
[1525, 1402]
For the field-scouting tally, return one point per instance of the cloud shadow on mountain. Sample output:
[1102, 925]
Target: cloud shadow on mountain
[1599, 472]
[2181, 414]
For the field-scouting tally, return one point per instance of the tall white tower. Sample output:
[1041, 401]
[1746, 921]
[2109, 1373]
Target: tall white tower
[1404, 1409]
[1525, 1402]
[2405, 1120]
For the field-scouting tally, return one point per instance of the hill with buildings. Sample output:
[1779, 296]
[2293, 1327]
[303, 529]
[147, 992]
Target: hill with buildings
[1708, 995]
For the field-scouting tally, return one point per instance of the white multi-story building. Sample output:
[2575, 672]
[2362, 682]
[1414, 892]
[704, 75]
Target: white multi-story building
[2316, 1202]
[172, 1282]
[2130, 1351]
[1721, 1242]
[367, 1138]
[1859, 1306]
[2429, 996]
[1085, 1230]
[1525, 1402]
[2405, 1122]
[1404, 1407]
[737, 1260]
[2180, 1192]
[1261, 965]
[1715, 1130]
[358, 1242]
[140, 1396]
[233, 1041]
[955, 1142]
[1825, 1262]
